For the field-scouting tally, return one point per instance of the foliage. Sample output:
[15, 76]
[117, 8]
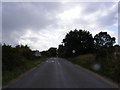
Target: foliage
[86, 60]
[103, 39]
[15, 56]
[79, 40]
[52, 52]
[61, 51]
[25, 51]
[16, 60]
[103, 53]
[44, 53]
[27, 65]
[109, 67]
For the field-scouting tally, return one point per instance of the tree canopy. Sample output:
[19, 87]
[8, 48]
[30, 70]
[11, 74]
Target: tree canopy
[80, 41]
[103, 39]
[13, 57]
[52, 52]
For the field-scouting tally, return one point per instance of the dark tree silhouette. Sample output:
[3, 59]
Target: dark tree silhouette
[104, 47]
[80, 41]
[52, 52]
[13, 57]
[44, 53]
[103, 39]
[61, 50]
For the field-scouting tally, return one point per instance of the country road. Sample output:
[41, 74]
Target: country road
[59, 73]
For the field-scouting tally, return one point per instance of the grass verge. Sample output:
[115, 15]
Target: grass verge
[110, 71]
[28, 64]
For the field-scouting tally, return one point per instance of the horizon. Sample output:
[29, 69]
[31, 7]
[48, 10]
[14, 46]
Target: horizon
[43, 50]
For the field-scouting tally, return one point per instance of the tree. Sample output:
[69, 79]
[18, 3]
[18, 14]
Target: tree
[44, 53]
[104, 48]
[13, 57]
[52, 52]
[80, 41]
[10, 58]
[25, 51]
[61, 50]
[103, 39]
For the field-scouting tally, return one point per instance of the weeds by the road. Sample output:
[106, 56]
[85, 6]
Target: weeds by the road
[84, 60]
[28, 64]
[108, 67]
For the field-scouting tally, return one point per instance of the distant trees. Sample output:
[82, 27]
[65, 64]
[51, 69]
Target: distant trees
[80, 41]
[25, 51]
[61, 50]
[13, 57]
[52, 52]
[44, 53]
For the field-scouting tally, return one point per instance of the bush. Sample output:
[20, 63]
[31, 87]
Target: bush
[13, 57]
[85, 60]
[107, 66]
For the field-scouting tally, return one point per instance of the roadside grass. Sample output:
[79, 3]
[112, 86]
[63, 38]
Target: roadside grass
[84, 60]
[110, 70]
[7, 76]
[0, 81]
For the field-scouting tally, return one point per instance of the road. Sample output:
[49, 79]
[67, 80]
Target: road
[59, 73]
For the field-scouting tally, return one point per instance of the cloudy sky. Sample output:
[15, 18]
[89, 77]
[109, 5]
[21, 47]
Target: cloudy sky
[42, 25]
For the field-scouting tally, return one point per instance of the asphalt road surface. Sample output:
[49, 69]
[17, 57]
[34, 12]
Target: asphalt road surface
[59, 73]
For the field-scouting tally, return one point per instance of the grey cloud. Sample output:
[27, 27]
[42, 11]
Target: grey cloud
[92, 7]
[37, 16]
[17, 17]
[110, 18]
[35, 39]
[26, 15]
[101, 21]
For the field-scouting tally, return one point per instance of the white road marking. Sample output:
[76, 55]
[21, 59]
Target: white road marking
[52, 61]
